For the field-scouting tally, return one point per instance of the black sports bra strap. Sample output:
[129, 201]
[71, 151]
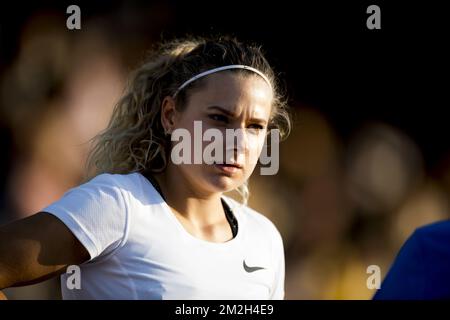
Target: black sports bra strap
[228, 212]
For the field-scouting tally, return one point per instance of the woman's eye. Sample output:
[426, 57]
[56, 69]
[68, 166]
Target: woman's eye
[256, 126]
[218, 117]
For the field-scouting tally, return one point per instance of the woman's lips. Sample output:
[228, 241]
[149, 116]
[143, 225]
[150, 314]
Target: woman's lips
[228, 168]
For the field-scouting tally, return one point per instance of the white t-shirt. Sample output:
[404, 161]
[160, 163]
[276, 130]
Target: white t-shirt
[139, 249]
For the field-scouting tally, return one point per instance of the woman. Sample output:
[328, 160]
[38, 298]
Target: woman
[145, 227]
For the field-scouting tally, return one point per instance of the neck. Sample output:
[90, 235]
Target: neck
[186, 200]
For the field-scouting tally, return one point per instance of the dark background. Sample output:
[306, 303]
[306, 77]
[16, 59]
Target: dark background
[340, 78]
[328, 56]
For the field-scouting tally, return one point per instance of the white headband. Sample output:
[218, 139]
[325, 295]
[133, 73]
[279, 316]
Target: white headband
[208, 72]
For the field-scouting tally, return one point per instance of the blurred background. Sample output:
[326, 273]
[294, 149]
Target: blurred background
[367, 162]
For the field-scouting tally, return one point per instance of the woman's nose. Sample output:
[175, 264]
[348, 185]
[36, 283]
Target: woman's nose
[237, 142]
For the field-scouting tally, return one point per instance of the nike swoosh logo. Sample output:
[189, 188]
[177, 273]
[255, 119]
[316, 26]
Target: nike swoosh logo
[251, 269]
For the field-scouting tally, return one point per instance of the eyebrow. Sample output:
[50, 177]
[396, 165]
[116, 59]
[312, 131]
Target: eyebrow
[232, 114]
[223, 110]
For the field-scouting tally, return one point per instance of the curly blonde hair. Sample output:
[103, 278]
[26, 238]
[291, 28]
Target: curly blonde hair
[134, 140]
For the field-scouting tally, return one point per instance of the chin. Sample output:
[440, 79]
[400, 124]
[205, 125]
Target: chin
[220, 183]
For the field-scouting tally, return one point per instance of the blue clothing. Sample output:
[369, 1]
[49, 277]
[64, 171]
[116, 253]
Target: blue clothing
[421, 270]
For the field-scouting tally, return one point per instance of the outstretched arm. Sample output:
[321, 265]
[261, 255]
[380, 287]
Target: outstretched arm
[35, 249]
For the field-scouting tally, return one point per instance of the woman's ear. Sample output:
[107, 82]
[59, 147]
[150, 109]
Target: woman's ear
[168, 114]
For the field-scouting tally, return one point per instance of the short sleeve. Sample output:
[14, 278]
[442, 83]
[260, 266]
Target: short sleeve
[279, 263]
[95, 212]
